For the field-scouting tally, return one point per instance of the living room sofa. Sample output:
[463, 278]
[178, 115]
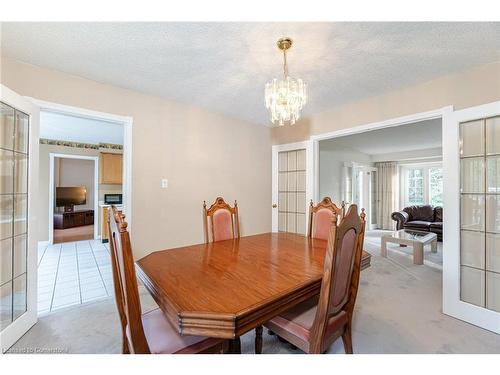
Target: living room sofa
[422, 218]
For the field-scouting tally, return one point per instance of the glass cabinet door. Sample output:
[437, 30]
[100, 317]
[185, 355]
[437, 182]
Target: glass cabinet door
[480, 213]
[14, 128]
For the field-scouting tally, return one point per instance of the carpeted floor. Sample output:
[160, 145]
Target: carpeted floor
[398, 311]
[431, 259]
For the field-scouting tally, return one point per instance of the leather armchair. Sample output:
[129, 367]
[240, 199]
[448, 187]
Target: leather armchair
[400, 217]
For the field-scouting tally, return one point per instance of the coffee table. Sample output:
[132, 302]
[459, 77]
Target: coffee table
[413, 238]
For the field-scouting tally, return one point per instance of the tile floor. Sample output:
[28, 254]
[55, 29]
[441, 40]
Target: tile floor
[72, 273]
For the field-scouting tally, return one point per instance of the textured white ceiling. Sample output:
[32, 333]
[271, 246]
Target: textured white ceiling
[78, 129]
[417, 136]
[224, 66]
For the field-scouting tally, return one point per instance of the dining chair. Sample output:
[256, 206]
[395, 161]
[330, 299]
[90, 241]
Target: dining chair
[320, 217]
[316, 323]
[150, 332]
[222, 219]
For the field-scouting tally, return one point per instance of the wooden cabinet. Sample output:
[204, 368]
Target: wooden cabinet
[73, 219]
[104, 224]
[111, 168]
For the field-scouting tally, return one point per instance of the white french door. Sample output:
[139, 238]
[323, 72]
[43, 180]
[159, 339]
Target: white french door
[364, 192]
[471, 226]
[19, 129]
[292, 181]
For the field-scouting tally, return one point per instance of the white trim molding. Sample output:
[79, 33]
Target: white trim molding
[126, 121]
[452, 305]
[52, 157]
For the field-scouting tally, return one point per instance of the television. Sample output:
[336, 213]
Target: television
[68, 197]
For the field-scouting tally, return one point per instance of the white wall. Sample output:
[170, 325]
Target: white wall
[332, 157]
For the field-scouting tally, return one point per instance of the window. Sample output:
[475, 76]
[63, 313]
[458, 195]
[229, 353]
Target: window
[436, 186]
[422, 184]
[415, 187]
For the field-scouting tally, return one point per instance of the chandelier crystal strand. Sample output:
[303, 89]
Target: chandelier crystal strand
[285, 98]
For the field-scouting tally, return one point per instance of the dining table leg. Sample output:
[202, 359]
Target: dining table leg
[258, 340]
[235, 346]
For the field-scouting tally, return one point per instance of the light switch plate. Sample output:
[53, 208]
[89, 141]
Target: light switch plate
[164, 183]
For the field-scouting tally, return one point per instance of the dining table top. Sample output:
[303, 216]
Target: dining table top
[226, 288]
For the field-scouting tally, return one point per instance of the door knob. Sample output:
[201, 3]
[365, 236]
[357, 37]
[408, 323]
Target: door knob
[275, 205]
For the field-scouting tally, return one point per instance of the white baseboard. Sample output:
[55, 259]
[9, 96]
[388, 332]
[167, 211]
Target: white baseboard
[43, 243]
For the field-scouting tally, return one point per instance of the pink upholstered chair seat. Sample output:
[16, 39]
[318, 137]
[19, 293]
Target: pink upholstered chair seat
[295, 324]
[322, 222]
[222, 225]
[162, 338]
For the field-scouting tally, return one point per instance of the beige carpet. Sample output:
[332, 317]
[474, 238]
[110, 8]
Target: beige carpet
[398, 311]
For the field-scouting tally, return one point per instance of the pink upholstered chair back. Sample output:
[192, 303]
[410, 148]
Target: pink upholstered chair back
[222, 220]
[320, 218]
[342, 266]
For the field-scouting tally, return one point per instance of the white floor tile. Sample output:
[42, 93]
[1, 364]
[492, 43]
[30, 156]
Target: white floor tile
[72, 273]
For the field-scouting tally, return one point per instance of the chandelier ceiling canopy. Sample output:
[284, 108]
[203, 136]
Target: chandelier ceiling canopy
[285, 98]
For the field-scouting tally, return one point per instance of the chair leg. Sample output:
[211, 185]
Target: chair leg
[125, 349]
[347, 339]
[258, 340]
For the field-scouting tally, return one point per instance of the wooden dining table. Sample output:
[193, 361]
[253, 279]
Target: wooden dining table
[227, 288]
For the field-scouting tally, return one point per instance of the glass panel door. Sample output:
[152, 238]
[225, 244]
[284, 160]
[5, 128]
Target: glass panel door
[480, 213]
[14, 128]
[292, 191]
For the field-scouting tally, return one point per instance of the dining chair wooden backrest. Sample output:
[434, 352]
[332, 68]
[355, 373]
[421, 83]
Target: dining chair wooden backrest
[340, 281]
[125, 284]
[222, 220]
[320, 218]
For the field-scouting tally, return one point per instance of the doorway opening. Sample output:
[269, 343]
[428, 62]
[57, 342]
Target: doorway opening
[75, 189]
[386, 171]
[84, 168]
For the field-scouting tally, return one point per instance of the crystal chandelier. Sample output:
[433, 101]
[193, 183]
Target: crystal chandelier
[285, 98]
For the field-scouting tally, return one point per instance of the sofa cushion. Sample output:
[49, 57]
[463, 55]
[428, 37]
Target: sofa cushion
[420, 213]
[437, 227]
[438, 214]
[418, 224]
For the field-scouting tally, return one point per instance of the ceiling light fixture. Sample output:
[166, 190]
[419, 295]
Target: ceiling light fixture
[285, 98]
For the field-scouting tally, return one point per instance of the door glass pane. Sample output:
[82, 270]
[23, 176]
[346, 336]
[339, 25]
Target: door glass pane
[472, 175]
[5, 304]
[6, 215]
[493, 135]
[472, 138]
[21, 133]
[493, 174]
[14, 134]
[20, 213]
[19, 300]
[6, 171]
[5, 260]
[6, 127]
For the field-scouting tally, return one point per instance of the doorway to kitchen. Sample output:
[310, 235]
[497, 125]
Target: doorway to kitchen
[84, 168]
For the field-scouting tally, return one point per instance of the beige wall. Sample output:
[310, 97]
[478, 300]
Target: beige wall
[203, 155]
[464, 89]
